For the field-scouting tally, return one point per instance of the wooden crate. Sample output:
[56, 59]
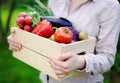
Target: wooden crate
[37, 50]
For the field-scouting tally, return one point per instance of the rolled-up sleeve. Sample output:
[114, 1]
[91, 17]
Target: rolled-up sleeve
[106, 42]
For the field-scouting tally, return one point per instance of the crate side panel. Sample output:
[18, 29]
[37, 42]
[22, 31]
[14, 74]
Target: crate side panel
[38, 44]
[35, 60]
[81, 46]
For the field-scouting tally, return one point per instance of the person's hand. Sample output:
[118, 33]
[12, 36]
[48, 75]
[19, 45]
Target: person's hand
[14, 44]
[67, 63]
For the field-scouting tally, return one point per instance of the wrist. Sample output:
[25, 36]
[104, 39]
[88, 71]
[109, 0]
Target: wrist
[82, 62]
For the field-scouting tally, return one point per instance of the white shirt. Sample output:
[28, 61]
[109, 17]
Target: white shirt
[100, 19]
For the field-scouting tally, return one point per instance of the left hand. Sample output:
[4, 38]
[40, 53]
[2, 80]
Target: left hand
[67, 63]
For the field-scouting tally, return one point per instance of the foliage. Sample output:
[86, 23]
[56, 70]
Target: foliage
[4, 30]
[116, 66]
[36, 10]
[15, 4]
[41, 9]
[12, 70]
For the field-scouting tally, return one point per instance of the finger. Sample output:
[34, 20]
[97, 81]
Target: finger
[61, 76]
[12, 40]
[13, 43]
[12, 30]
[17, 48]
[58, 69]
[12, 48]
[55, 67]
[17, 45]
[63, 67]
[65, 56]
[61, 64]
[59, 72]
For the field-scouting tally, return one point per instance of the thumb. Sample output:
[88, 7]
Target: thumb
[12, 30]
[65, 56]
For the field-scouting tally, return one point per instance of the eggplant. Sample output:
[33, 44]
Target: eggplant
[75, 33]
[57, 22]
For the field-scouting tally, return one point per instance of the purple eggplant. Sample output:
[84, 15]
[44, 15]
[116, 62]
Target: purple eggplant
[75, 34]
[57, 22]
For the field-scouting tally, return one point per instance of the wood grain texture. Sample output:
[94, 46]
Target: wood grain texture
[37, 50]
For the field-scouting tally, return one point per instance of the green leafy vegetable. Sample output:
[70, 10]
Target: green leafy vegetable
[38, 9]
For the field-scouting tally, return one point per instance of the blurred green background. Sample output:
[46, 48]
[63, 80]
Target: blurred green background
[15, 71]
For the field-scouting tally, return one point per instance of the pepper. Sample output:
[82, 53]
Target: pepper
[36, 28]
[44, 29]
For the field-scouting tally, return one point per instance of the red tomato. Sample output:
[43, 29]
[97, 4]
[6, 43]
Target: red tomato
[63, 35]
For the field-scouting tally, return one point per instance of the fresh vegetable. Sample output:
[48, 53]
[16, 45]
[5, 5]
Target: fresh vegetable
[75, 34]
[44, 29]
[41, 21]
[40, 8]
[28, 20]
[35, 18]
[57, 22]
[63, 35]
[36, 28]
[83, 35]
[27, 28]
[22, 14]
[24, 21]
[52, 37]
[20, 21]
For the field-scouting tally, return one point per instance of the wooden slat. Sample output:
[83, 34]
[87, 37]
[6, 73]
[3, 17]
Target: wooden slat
[38, 62]
[37, 50]
[38, 44]
[35, 60]
[50, 48]
[81, 46]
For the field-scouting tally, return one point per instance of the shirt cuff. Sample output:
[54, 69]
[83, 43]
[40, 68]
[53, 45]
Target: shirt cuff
[89, 67]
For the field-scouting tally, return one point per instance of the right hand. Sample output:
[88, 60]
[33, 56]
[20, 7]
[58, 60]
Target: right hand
[14, 44]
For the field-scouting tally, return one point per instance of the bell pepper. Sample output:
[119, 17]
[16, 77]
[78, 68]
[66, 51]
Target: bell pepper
[44, 29]
[36, 28]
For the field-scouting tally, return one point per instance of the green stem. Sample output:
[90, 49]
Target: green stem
[54, 28]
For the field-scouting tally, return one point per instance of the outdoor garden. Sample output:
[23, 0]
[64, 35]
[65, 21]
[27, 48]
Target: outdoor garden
[15, 71]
